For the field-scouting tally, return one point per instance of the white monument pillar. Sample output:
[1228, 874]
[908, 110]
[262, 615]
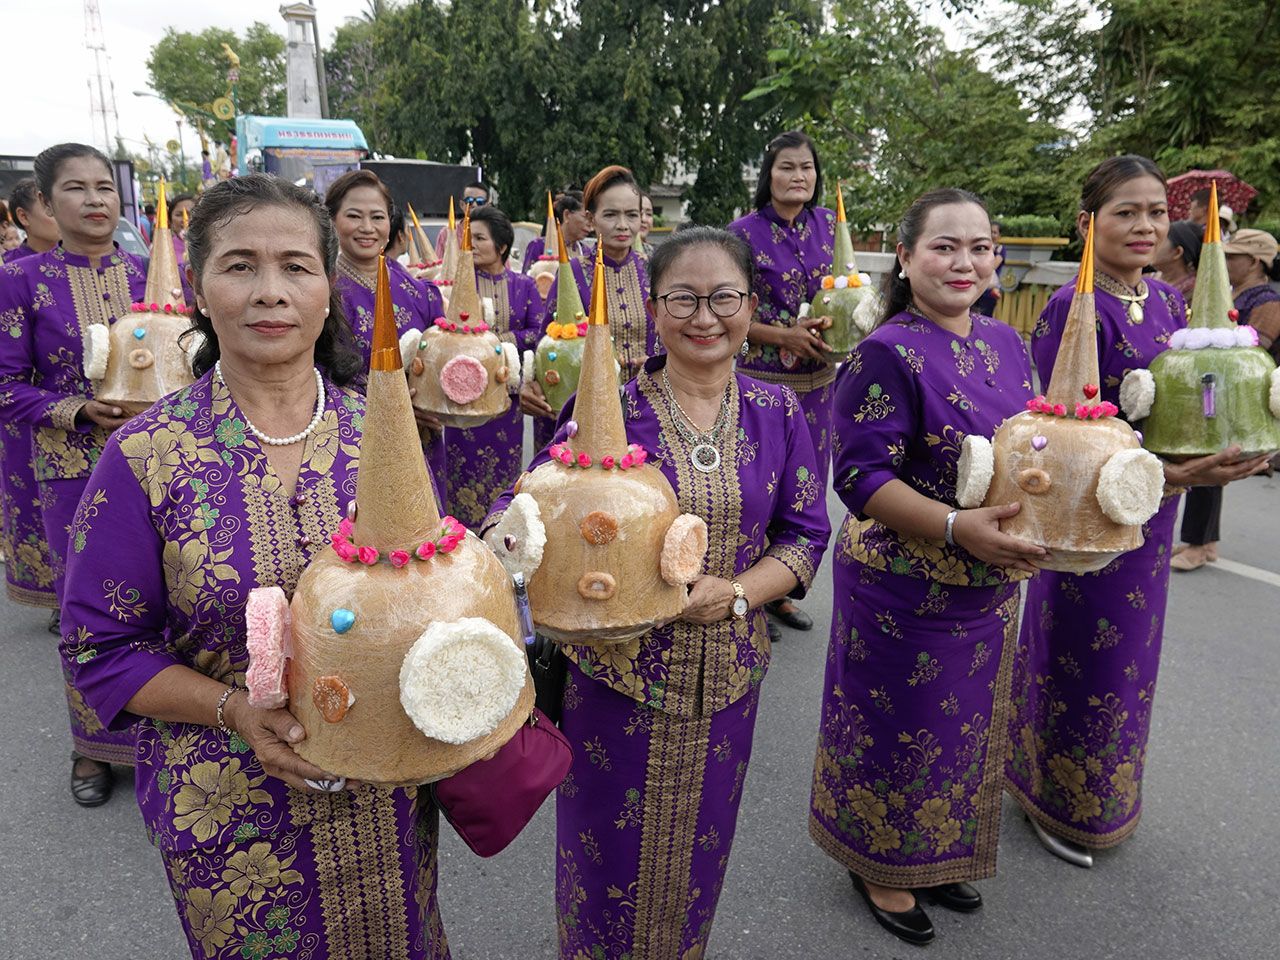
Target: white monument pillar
[305, 94]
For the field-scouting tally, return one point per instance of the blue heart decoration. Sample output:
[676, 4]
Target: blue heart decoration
[342, 620]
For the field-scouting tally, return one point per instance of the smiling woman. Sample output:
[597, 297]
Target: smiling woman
[238, 480]
[48, 303]
[667, 720]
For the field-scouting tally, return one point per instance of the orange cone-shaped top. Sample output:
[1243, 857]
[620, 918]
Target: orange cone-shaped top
[418, 238]
[395, 503]
[464, 298]
[1077, 363]
[1211, 302]
[164, 287]
[450, 253]
[551, 235]
[598, 408]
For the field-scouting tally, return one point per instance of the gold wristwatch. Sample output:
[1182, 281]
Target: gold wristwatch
[738, 609]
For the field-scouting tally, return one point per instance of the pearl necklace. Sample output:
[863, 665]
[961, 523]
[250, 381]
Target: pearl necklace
[282, 441]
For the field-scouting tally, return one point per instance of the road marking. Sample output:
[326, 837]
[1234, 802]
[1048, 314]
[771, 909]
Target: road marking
[1244, 570]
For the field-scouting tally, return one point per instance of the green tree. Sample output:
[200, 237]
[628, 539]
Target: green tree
[1190, 83]
[896, 112]
[192, 67]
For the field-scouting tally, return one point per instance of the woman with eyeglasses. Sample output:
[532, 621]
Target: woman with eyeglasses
[663, 725]
[791, 239]
[612, 199]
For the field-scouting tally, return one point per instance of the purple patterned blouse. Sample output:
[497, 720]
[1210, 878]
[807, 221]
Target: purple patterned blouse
[517, 306]
[791, 260]
[908, 396]
[47, 301]
[182, 517]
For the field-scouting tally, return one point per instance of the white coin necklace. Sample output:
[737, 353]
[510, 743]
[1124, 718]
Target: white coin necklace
[282, 441]
[705, 455]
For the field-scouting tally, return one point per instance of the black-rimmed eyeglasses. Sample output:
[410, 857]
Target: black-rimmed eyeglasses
[723, 303]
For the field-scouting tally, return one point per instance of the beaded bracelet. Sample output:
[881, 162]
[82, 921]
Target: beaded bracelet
[222, 705]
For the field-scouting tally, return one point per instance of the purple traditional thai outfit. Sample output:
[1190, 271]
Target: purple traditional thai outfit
[635, 338]
[17, 253]
[416, 304]
[791, 260]
[47, 302]
[911, 742]
[662, 726]
[1089, 650]
[182, 518]
[485, 460]
[28, 567]
[536, 247]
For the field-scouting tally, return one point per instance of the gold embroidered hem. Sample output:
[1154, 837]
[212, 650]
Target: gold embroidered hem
[44, 599]
[122, 755]
[796, 559]
[63, 413]
[1091, 841]
[876, 546]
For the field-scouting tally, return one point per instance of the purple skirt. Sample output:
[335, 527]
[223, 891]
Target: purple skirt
[911, 744]
[645, 822]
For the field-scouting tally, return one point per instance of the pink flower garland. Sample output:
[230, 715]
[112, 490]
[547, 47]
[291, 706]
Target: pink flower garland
[156, 308]
[1084, 411]
[452, 327]
[452, 533]
[634, 457]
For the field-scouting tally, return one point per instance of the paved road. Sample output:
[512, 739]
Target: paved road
[1198, 880]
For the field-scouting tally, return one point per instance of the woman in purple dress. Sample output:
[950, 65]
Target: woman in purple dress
[360, 205]
[485, 460]
[1089, 650]
[575, 225]
[47, 302]
[28, 567]
[663, 725]
[792, 239]
[907, 780]
[612, 200]
[233, 483]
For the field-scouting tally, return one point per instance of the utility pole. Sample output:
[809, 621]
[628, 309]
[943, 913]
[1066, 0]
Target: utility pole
[102, 91]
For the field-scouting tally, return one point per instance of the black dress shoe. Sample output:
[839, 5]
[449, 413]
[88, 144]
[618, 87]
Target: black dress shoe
[912, 926]
[55, 623]
[795, 618]
[954, 896]
[774, 633]
[93, 790]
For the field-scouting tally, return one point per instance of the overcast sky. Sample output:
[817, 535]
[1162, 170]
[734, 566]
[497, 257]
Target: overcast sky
[46, 93]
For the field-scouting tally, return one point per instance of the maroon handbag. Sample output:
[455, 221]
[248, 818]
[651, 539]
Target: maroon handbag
[490, 802]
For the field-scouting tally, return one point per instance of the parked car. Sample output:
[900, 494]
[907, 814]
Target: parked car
[131, 240]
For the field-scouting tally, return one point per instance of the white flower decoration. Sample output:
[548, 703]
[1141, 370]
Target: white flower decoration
[519, 537]
[974, 470]
[97, 351]
[460, 680]
[1137, 394]
[409, 343]
[1130, 486]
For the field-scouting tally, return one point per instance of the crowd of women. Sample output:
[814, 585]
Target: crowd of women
[148, 533]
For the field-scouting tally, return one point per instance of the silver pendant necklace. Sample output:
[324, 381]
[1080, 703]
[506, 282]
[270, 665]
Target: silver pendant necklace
[705, 454]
